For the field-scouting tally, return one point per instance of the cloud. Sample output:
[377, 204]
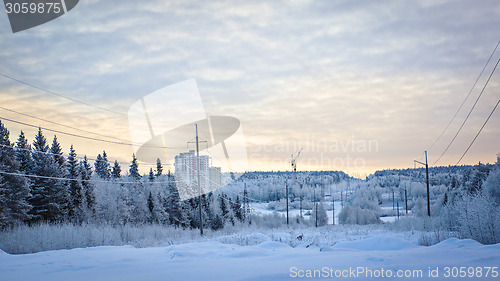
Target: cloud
[394, 72]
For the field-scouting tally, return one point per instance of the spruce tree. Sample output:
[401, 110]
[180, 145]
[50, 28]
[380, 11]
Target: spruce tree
[102, 167]
[159, 168]
[151, 207]
[116, 173]
[106, 167]
[173, 204]
[87, 186]
[56, 151]
[151, 175]
[98, 165]
[14, 189]
[40, 186]
[75, 187]
[59, 194]
[237, 209]
[134, 169]
[23, 153]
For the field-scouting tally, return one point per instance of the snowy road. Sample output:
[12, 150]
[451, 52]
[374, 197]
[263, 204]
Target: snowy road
[266, 261]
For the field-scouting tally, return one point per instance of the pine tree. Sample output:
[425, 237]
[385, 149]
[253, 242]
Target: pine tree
[159, 168]
[14, 189]
[116, 173]
[134, 169]
[87, 186]
[75, 187]
[151, 175]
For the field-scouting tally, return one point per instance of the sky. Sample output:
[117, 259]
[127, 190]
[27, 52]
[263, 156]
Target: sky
[358, 85]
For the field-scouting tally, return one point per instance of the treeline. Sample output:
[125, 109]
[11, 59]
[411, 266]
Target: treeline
[38, 184]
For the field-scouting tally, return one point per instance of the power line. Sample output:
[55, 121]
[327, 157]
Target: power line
[473, 86]
[59, 124]
[84, 137]
[69, 179]
[78, 157]
[466, 118]
[484, 124]
[59, 95]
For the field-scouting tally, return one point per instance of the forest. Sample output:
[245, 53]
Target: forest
[43, 189]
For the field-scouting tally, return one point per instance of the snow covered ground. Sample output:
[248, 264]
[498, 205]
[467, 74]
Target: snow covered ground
[258, 256]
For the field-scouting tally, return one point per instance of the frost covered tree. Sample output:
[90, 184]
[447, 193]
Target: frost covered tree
[39, 199]
[492, 184]
[13, 188]
[102, 167]
[172, 203]
[159, 168]
[134, 169]
[75, 187]
[58, 193]
[322, 216]
[117, 170]
[87, 186]
[23, 153]
[151, 176]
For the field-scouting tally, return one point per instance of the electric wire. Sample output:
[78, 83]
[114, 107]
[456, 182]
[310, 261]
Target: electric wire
[78, 157]
[62, 125]
[59, 95]
[470, 91]
[468, 115]
[484, 124]
[70, 179]
[84, 137]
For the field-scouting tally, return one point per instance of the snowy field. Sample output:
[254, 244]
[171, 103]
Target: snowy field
[257, 256]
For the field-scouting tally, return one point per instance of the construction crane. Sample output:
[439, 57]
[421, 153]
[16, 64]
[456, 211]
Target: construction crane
[294, 160]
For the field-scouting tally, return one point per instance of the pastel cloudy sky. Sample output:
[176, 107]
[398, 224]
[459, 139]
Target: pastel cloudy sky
[372, 81]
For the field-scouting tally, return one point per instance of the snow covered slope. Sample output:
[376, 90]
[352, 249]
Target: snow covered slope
[269, 260]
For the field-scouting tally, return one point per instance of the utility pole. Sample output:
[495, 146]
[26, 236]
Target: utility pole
[293, 162]
[333, 209]
[427, 182]
[300, 198]
[398, 208]
[316, 207]
[197, 141]
[342, 199]
[199, 185]
[393, 200]
[406, 201]
[287, 221]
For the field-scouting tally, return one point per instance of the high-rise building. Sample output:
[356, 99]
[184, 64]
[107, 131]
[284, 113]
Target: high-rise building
[186, 174]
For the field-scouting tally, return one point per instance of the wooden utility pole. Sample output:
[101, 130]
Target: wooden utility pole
[427, 182]
[427, 177]
[199, 184]
[406, 201]
[287, 220]
[398, 208]
[333, 209]
[393, 200]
